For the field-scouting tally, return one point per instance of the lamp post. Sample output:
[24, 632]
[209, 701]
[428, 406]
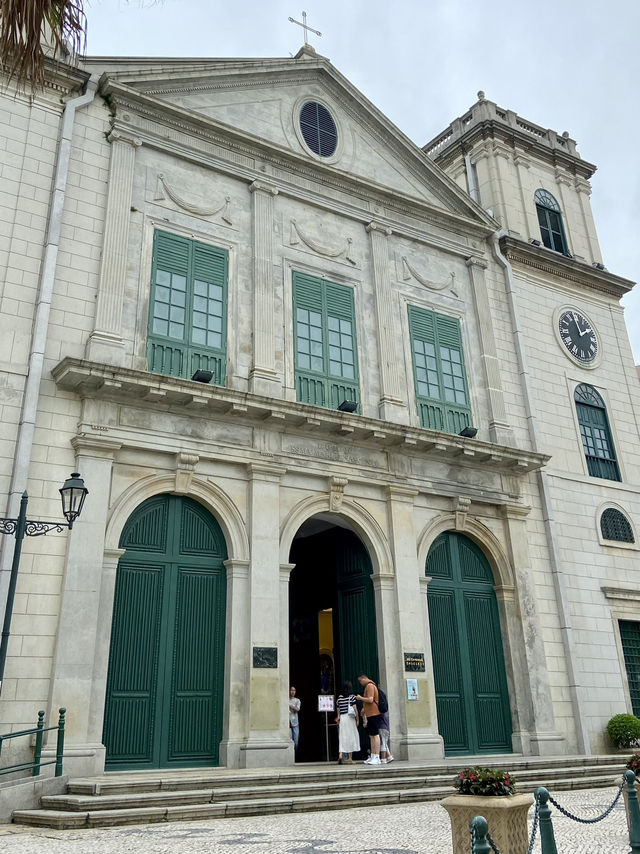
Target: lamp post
[73, 493]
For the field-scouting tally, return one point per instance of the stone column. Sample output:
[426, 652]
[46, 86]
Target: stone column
[283, 657]
[105, 342]
[268, 742]
[414, 720]
[533, 722]
[237, 663]
[499, 429]
[392, 407]
[263, 379]
[81, 616]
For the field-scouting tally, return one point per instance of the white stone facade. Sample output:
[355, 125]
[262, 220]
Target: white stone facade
[212, 150]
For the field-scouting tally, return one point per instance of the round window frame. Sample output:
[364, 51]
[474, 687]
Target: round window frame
[588, 366]
[297, 109]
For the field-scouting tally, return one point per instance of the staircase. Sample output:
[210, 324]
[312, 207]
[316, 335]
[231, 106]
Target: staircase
[141, 797]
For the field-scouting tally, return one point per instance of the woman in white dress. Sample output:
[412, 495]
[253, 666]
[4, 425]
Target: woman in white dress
[347, 720]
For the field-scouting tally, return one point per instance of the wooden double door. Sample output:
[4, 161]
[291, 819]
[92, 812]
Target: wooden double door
[164, 694]
[468, 659]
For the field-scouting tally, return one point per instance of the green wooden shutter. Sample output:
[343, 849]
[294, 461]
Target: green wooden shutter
[188, 307]
[630, 637]
[325, 342]
[439, 374]
[468, 661]
[597, 442]
[164, 697]
[355, 606]
[341, 344]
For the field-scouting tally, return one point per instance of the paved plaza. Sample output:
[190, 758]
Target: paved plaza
[413, 829]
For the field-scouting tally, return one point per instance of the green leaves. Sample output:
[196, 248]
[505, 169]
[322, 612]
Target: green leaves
[30, 29]
[485, 781]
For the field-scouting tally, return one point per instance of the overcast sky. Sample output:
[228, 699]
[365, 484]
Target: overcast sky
[568, 65]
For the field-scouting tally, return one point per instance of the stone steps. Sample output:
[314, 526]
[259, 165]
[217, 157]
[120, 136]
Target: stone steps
[143, 797]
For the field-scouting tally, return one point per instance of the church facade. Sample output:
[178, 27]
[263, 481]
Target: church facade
[342, 404]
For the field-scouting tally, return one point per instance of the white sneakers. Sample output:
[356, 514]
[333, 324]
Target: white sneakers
[373, 760]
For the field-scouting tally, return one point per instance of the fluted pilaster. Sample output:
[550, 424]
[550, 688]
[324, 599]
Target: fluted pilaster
[106, 339]
[391, 407]
[264, 378]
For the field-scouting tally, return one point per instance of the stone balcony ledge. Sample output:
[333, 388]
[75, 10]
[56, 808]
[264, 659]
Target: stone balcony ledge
[172, 394]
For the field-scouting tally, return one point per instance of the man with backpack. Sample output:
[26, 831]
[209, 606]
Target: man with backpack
[372, 700]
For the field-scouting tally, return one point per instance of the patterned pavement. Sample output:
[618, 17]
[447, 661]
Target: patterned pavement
[412, 829]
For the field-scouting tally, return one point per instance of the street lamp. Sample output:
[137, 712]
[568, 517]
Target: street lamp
[73, 493]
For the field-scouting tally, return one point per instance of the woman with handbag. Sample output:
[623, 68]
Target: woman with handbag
[347, 720]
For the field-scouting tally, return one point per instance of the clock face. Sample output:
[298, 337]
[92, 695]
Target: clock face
[578, 335]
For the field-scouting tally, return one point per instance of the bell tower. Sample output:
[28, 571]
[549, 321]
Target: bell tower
[532, 179]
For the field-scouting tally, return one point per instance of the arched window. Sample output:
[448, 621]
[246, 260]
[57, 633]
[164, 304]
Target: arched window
[614, 525]
[550, 220]
[596, 435]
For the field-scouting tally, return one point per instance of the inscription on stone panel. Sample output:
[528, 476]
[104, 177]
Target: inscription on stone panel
[331, 451]
[265, 656]
[414, 662]
[160, 423]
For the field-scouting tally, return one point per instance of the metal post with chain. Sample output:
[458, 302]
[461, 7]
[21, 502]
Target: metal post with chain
[634, 812]
[479, 828]
[547, 839]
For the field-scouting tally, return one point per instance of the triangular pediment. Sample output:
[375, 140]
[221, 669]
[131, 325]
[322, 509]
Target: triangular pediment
[262, 99]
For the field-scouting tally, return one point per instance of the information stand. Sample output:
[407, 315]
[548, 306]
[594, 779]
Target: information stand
[326, 704]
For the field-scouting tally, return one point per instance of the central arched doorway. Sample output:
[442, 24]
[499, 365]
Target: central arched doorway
[468, 660]
[164, 693]
[332, 622]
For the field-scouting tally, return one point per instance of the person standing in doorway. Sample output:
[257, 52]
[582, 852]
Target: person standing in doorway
[347, 720]
[371, 710]
[294, 722]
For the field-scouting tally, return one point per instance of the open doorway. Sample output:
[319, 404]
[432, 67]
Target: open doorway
[332, 624]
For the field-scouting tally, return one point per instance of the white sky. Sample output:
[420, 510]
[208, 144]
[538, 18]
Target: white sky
[568, 65]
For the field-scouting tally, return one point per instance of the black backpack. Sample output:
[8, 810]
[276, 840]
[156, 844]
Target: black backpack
[383, 705]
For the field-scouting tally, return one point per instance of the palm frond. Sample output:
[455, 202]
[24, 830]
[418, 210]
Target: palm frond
[28, 27]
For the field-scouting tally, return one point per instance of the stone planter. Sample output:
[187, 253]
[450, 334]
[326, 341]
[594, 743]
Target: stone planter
[507, 817]
[626, 798]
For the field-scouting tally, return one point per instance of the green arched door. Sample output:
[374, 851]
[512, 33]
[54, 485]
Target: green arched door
[166, 662]
[468, 660]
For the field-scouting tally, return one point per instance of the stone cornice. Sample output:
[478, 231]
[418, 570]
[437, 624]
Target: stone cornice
[137, 113]
[285, 72]
[61, 79]
[171, 394]
[519, 142]
[555, 264]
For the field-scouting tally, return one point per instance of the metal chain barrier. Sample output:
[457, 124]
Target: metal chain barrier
[534, 828]
[493, 845]
[587, 820]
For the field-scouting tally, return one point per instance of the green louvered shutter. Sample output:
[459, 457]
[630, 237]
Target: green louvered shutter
[630, 637]
[325, 342]
[468, 659]
[438, 363]
[165, 684]
[188, 308]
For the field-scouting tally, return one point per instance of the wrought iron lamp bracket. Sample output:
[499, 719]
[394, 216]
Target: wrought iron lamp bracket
[32, 528]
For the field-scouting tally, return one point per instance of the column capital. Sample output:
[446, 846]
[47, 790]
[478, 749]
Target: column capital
[265, 471]
[285, 570]
[112, 556]
[378, 227]
[516, 511]
[383, 582]
[474, 261]
[237, 568]
[119, 136]
[95, 446]
[259, 186]
[404, 494]
[423, 581]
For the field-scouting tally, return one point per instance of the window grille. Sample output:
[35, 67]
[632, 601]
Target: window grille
[614, 525]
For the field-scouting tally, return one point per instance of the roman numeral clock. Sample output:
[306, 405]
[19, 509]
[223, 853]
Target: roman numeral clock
[578, 336]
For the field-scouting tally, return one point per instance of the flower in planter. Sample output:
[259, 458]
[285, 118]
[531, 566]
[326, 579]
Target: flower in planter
[485, 781]
[634, 764]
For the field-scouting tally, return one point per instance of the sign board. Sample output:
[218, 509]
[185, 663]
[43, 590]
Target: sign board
[412, 689]
[326, 703]
[414, 662]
